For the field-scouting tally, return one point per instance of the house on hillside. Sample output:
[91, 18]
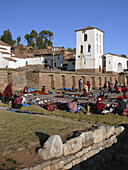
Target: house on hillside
[24, 56]
[89, 53]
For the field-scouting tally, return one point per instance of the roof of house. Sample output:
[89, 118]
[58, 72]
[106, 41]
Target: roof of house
[88, 28]
[2, 43]
[3, 52]
[1, 48]
[10, 59]
[116, 55]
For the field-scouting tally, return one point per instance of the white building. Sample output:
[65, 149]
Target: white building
[10, 60]
[89, 53]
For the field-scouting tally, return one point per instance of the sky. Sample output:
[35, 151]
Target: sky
[63, 17]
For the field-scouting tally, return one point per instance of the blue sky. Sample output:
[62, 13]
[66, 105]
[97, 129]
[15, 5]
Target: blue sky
[63, 17]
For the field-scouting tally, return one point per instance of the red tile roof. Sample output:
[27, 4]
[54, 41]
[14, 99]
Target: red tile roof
[88, 28]
[10, 59]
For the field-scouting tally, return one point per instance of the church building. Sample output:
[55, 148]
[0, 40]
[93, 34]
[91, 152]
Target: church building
[89, 53]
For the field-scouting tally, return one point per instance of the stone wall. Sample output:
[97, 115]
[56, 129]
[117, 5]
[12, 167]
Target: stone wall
[51, 79]
[18, 77]
[79, 149]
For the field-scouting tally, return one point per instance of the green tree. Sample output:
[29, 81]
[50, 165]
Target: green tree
[33, 37]
[69, 49]
[28, 38]
[44, 39]
[18, 40]
[7, 38]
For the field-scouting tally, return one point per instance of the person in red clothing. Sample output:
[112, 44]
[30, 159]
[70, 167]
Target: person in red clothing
[17, 102]
[8, 92]
[125, 95]
[99, 107]
[84, 92]
[43, 89]
[89, 85]
[25, 91]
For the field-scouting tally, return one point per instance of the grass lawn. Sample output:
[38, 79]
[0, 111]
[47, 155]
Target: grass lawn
[19, 130]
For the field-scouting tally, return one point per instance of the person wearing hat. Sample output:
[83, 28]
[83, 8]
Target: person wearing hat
[99, 106]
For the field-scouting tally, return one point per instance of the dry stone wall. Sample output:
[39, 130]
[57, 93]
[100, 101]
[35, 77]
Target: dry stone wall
[79, 150]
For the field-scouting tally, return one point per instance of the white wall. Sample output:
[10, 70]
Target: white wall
[89, 60]
[112, 62]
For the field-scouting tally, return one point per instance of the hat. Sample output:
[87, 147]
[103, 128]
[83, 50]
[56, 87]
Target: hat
[99, 99]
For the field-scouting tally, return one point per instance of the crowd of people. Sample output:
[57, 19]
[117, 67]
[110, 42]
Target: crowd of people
[97, 108]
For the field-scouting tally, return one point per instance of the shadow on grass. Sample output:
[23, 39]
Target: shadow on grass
[42, 138]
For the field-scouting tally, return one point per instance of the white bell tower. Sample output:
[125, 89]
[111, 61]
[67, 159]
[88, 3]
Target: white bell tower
[89, 49]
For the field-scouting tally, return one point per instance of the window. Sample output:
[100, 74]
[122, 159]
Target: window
[81, 49]
[100, 48]
[96, 37]
[89, 48]
[100, 38]
[97, 48]
[85, 37]
[109, 62]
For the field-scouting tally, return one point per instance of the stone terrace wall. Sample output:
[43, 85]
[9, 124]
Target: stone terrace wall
[57, 155]
[57, 79]
[18, 77]
[50, 79]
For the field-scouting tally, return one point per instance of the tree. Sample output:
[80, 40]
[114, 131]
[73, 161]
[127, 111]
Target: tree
[28, 38]
[7, 38]
[18, 40]
[44, 39]
[33, 36]
[69, 49]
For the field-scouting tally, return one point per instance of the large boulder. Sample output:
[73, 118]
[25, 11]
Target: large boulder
[52, 148]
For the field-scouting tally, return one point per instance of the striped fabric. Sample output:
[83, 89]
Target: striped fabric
[73, 106]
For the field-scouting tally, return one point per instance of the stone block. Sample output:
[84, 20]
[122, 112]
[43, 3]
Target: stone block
[84, 157]
[110, 130]
[87, 138]
[68, 166]
[118, 130]
[76, 161]
[57, 165]
[45, 164]
[112, 140]
[53, 148]
[68, 159]
[99, 134]
[72, 146]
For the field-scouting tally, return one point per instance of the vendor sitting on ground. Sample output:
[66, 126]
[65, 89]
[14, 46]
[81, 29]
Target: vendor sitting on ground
[120, 107]
[99, 106]
[84, 93]
[43, 89]
[17, 101]
[125, 95]
[25, 91]
[8, 93]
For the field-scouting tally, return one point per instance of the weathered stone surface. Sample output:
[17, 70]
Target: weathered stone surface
[112, 140]
[68, 159]
[37, 167]
[110, 130]
[47, 168]
[119, 129]
[78, 154]
[87, 138]
[85, 150]
[84, 157]
[72, 146]
[68, 166]
[76, 161]
[53, 148]
[99, 134]
[45, 164]
[58, 165]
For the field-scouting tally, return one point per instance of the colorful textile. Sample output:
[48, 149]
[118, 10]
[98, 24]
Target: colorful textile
[73, 106]
[52, 107]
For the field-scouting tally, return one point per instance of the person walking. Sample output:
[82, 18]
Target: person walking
[80, 85]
